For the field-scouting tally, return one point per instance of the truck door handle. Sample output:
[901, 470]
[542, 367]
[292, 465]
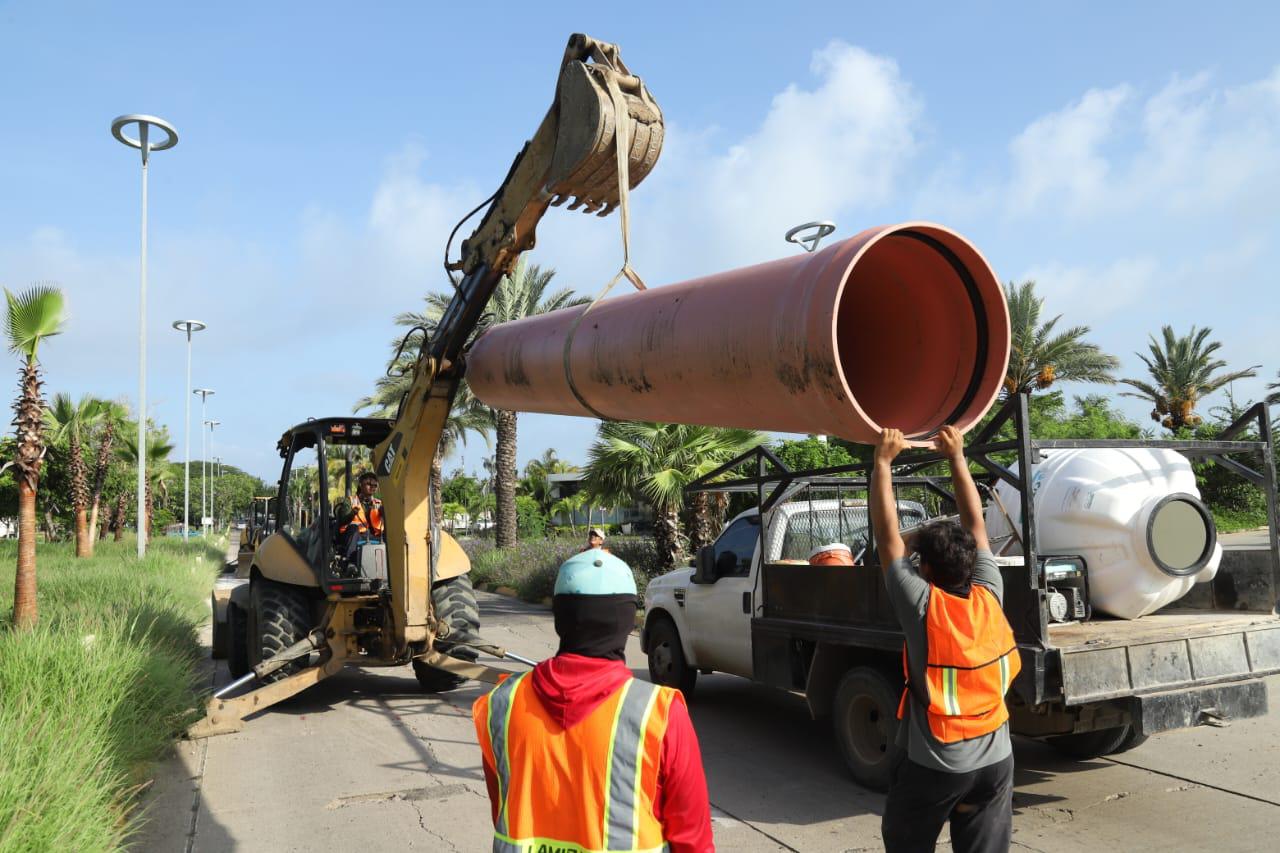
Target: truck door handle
[746, 602]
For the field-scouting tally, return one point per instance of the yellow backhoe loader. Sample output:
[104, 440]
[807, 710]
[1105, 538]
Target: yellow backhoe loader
[311, 607]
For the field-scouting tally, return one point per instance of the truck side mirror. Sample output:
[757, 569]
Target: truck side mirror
[705, 569]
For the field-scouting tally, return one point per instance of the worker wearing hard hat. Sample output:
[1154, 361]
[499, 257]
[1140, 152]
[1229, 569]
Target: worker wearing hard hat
[578, 754]
[959, 660]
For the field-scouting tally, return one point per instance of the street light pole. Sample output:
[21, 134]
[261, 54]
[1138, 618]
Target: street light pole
[205, 394]
[217, 477]
[143, 143]
[210, 425]
[187, 326]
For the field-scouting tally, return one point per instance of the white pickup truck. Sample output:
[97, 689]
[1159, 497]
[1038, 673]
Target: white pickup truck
[752, 605]
[699, 618]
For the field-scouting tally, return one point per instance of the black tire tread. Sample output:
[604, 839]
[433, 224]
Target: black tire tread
[284, 618]
[1086, 745]
[865, 680]
[237, 641]
[685, 676]
[455, 605]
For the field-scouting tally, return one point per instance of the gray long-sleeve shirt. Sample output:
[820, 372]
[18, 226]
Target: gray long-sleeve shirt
[909, 595]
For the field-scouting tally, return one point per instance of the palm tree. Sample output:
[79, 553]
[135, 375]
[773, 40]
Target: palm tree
[1274, 388]
[1038, 357]
[113, 415]
[158, 472]
[32, 316]
[118, 517]
[570, 506]
[536, 482]
[68, 423]
[655, 462]
[1182, 372]
[521, 294]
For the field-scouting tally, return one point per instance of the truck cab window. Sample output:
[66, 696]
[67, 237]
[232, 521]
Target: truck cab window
[736, 547]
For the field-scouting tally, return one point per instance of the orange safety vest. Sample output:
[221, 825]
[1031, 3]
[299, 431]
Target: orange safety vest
[590, 788]
[371, 524]
[972, 660]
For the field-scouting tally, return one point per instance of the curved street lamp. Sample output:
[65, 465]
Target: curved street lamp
[143, 143]
[205, 394]
[187, 326]
[210, 425]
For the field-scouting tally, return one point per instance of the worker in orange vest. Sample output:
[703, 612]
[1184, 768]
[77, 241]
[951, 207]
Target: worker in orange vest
[361, 519]
[579, 755]
[959, 658]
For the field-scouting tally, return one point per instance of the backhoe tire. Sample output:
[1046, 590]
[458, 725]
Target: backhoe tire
[455, 605]
[280, 615]
[667, 664]
[237, 641]
[1086, 745]
[864, 716]
[218, 643]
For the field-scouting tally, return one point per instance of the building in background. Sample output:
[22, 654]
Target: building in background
[629, 517]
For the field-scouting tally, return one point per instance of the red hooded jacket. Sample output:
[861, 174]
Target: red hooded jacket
[571, 686]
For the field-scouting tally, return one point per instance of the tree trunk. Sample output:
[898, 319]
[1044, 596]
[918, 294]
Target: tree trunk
[79, 495]
[666, 535]
[49, 528]
[24, 586]
[505, 451]
[99, 480]
[702, 532]
[121, 500]
[28, 454]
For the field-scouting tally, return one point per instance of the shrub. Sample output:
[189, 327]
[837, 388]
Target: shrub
[530, 522]
[530, 567]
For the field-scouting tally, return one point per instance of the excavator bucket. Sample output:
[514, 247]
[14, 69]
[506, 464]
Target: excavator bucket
[595, 91]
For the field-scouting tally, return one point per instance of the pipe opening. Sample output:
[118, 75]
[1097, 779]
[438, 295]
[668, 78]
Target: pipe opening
[912, 335]
[1181, 535]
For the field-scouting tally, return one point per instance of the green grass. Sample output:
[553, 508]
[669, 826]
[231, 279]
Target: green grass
[94, 694]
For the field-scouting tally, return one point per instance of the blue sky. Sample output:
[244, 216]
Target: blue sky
[1127, 160]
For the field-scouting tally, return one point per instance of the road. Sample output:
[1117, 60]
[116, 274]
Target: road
[366, 761]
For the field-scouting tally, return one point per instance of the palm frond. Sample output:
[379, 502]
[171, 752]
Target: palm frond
[35, 314]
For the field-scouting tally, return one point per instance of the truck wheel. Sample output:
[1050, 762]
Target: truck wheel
[218, 645]
[237, 641]
[865, 717]
[667, 665]
[455, 604]
[279, 616]
[1085, 745]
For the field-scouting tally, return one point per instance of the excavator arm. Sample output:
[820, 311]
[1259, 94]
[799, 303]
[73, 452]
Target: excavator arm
[574, 153]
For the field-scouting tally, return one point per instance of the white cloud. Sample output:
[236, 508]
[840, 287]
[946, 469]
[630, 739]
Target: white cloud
[1093, 291]
[1057, 157]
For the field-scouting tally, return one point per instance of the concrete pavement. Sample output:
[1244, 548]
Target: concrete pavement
[366, 761]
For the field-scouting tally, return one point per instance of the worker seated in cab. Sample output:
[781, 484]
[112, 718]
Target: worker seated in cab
[359, 519]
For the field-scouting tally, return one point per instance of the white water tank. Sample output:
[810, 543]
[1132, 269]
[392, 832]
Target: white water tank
[1133, 514]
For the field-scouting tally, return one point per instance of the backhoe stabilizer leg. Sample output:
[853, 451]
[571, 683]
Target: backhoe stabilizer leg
[224, 716]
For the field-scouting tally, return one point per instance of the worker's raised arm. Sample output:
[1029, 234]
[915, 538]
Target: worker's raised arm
[968, 502]
[884, 509]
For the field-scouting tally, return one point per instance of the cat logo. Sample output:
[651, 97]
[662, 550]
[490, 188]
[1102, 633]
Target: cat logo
[389, 459]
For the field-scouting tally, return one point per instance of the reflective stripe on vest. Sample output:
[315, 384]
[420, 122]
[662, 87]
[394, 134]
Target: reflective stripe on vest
[971, 661]
[620, 821]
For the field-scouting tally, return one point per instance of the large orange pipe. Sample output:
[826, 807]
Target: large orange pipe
[901, 326]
